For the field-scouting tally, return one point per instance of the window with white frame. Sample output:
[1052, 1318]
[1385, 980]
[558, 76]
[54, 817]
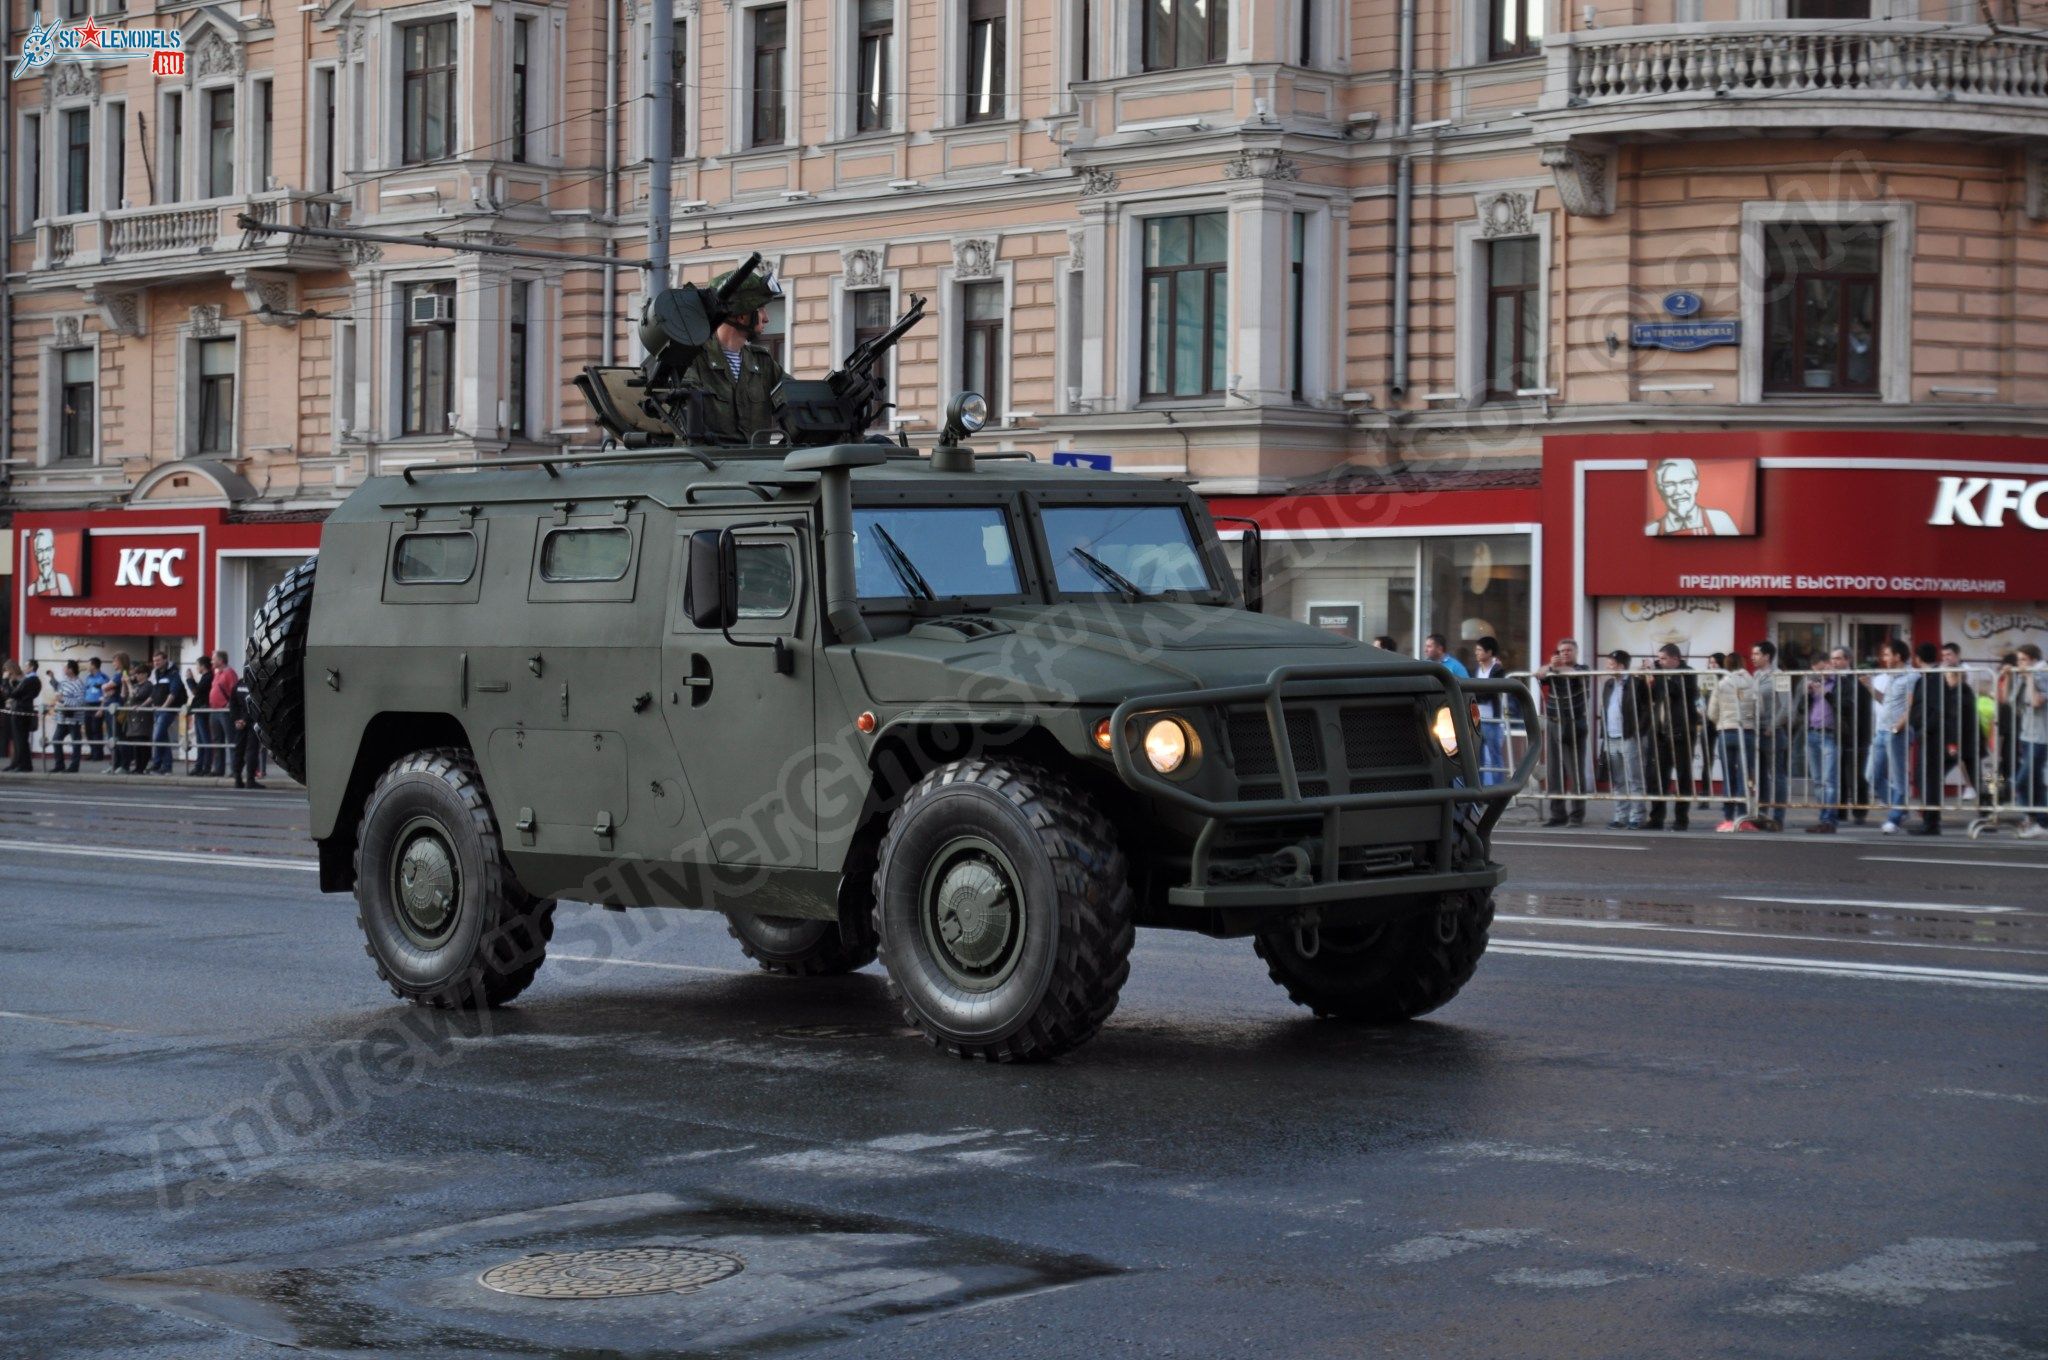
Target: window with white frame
[29, 194]
[1513, 316]
[265, 164]
[521, 91]
[214, 421]
[981, 343]
[326, 97]
[428, 91]
[768, 48]
[170, 146]
[77, 130]
[518, 359]
[1181, 33]
[774, 336]
[77, 401]
[1823, 322]
[874, 65]
[115, 115]
[1185, 322]
[1514, 28]
[219, 171]
[428, 357]
[987, 60]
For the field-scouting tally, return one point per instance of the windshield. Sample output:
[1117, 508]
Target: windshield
[932, 552]
[1130, 550]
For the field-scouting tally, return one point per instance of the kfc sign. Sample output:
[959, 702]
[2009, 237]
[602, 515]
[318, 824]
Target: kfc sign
[118, 582]
[150, 567]
[1982, 502]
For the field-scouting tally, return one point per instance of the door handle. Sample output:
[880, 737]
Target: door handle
[698, 681]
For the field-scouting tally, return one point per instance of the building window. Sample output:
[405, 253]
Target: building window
[771, 46]
[1512, 313]
[77, 402]
[1821, 307]
[516, 359]
[171, 141]
[522, 44]
[117, 154]
[987, 59]
[75, 9]
[220, 143]
[1186, 323]
[78, 160]
[871, 99]
[1297, 301]
[1304, 38]
[1514, 28]
[216, 396]
[1827, 9]
[1186, 33]
[871, 317]
[430, 80]
[266, 127]
[429, 356]
[324, 81]
[981, 343]
[31, 199]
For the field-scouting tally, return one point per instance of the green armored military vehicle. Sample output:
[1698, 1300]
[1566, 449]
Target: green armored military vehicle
[977, 716]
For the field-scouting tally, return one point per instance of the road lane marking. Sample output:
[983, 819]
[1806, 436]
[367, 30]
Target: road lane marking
[1778, 937]
[56, 1020]
[1759, 963]
[2034, 864]
[1873, 904]
[650, 963]
[2011, 1097]
[309, 866]
[215, 803]
[1547, 843]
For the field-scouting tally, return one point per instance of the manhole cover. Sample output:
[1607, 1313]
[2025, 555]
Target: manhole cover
[611, 1274]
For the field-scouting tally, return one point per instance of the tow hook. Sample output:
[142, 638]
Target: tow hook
[1289, 867]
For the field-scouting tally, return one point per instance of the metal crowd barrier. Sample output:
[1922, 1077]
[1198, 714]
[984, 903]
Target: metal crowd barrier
[1657, 744]
[127, 738]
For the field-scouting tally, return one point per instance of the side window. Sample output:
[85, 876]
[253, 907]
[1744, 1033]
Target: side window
[585, 555]
[434, 558]
[767, 580]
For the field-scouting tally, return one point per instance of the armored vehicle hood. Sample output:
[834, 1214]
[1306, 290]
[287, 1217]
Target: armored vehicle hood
[1091, 653]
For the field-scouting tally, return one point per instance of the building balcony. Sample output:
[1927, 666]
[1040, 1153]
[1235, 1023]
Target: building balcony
[134, 247]
[1787, 77]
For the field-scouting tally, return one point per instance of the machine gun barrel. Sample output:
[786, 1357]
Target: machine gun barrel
[872, 349]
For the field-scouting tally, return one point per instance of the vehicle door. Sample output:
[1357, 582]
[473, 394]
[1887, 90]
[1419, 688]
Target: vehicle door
[742, 720]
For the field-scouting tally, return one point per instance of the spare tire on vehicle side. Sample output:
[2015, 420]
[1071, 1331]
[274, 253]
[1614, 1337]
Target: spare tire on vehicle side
[275, 668]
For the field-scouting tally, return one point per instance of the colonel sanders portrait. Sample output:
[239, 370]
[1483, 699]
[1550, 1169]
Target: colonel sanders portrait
[1678, 486]
[49, 580]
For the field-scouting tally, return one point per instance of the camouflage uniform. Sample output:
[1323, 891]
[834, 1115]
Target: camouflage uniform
[735, 409]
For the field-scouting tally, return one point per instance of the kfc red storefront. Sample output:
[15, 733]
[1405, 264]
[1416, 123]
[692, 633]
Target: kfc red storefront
[183, 580]
[1710, 541]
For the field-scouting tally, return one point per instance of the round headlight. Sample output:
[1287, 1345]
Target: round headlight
[1166, 745]
[970, 412]
[1445, 731]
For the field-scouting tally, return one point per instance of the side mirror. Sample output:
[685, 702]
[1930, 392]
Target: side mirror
[711, 593]
[1252, 556]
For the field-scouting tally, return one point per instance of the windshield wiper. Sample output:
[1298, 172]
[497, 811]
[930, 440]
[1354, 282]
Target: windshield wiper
[1110, 576]
[900, 563]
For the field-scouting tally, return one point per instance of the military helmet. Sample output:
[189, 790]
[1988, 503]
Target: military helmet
[759, 289]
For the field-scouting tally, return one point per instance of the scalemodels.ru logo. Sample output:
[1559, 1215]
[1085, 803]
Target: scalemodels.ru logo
[45, 43]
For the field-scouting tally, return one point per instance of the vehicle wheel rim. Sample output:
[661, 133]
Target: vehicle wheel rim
[971, 913]
[425, 884]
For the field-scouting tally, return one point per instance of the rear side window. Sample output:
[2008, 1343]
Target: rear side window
[585, 555]
[434, 558]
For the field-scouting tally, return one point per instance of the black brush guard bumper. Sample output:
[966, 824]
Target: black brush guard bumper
[1456, 801]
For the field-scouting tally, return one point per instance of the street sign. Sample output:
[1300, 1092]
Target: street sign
[1682, 303]
[1097, 462]
[1683, 334]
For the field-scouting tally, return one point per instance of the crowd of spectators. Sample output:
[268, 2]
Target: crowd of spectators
[137, 719]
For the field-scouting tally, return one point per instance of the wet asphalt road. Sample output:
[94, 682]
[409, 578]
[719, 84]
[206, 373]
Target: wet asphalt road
[1756, 1096]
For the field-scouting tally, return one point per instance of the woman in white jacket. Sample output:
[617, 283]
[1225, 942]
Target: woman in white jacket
[1731, 716]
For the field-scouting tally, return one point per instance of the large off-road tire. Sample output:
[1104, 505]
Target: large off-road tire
[442, 917]
[1383, 973]
[1003, 910]
[800, 948]
[275, 668]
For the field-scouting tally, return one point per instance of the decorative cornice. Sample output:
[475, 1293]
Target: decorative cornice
[1273, 165]
[860, 267]
[1585, 178]
[974, 258]
[205, 320]
[1505, 213]
[1097, 181]
[120, 310]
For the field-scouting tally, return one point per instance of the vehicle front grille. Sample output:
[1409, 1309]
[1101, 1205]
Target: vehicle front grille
[1251, 742]
[1382, 744]
[1379, 735]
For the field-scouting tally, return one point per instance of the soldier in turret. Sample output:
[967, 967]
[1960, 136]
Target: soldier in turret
[734, 369]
